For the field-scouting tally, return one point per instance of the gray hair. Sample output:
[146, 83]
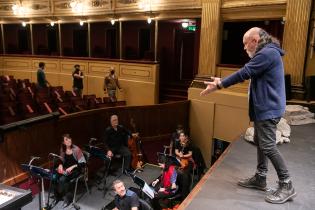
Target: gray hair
[117, 181]
[265, 39]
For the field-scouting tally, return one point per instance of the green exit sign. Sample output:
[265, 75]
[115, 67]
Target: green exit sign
[191, 28]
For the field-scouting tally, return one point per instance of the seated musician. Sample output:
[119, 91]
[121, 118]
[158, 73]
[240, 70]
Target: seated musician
[72, 162]
[116, 139]
[183, 152]
[125, 199]
[175, 139]
[165, 185]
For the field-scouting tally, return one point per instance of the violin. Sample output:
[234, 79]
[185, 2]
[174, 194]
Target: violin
[134, 145]
[184, 161]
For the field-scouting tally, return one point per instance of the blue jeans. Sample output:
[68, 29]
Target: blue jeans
[265, 139]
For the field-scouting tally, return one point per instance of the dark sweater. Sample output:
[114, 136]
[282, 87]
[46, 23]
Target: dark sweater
[267, 88]
[114, 139]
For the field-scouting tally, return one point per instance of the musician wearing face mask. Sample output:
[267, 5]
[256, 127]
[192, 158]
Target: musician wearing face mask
[111, 84]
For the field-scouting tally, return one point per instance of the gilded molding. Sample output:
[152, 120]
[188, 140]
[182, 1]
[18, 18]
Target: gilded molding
[249, 3]
[127, 1]
[254, 12]
[6, 7]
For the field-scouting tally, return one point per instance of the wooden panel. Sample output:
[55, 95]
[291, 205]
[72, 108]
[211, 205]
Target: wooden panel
[18, 74]
[208, 54]
[250, 13]
[230, 121]
[138, 72]
[39, 139]
[222, 115]
[17, 63]
[295, 39]
[65, 80]
[95, 85]
[143, 92]
[201, 117]
[101, 68]
[51, 65]
[67, 66]
[241, 87]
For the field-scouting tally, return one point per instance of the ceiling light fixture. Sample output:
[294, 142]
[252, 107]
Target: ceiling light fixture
[112, 21]
[185, 24]
[24, 24]
[18, 9]
[149, 20]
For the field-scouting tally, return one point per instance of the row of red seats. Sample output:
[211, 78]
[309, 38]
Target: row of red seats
[21, 99]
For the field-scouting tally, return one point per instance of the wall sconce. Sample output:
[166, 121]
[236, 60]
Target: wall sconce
[112, 21]
[81, 23]
[24, 24]
[149, 20]
[52, 23]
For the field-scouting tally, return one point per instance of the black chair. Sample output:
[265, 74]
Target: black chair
[177, 197]
[83, 176]
[144, 205]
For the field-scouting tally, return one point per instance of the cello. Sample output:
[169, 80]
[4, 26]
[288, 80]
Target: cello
[134, 145]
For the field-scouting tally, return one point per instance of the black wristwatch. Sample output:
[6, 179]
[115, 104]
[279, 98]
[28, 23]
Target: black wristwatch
[219, 86]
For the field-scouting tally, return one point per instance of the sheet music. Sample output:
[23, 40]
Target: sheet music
[6, 195]
[148, 190]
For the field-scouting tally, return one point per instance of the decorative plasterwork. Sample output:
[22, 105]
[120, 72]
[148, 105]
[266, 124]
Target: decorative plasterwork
[93, 7]
[156, 5]
[248, 3]
[47, 8]
[254, 12]
[33, 8]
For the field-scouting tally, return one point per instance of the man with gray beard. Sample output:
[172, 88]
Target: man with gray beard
[266, 106]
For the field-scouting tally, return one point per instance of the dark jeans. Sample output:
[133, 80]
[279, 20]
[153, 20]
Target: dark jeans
[159, 201]
[265, 139]
[124, 151]
[63, 184]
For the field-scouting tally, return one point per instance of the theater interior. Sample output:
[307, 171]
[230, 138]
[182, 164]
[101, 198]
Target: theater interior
[162, 51]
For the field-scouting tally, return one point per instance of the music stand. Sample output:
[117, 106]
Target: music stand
[40, 174]
[51, 183]
[173, 160]
[99, 153]
[144, 187]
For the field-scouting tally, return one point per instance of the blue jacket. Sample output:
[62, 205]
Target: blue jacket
[267, 88]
